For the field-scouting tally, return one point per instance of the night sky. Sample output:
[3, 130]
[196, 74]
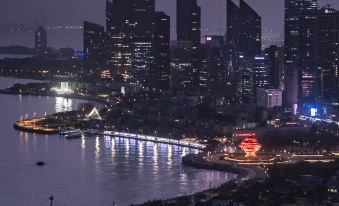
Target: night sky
[73, 12]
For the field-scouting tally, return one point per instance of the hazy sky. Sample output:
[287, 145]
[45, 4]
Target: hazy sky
[74, 12]
[54, 12]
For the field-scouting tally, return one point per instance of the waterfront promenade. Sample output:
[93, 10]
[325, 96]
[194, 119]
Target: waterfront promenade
[183, 143]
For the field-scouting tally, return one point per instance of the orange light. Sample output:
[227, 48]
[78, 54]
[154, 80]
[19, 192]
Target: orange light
[250, 146]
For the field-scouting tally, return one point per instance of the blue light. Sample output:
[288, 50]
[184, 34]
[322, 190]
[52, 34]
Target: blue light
[314, 112]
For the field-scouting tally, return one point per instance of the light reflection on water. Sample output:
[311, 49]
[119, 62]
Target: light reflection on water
[63, 104]
[91, 170]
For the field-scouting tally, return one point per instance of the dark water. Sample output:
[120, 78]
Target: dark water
[89, 171]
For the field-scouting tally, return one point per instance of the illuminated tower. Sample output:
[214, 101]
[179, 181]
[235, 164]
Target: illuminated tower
[94, 41]
[189, 29]
[243, 40]
[300, 50]
[329, 53]
[120, 26]
[160, 70]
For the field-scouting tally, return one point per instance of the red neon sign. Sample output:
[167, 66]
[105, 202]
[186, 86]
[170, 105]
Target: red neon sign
[250, 134]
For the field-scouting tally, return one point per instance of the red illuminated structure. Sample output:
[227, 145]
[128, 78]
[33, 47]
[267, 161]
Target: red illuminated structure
[250, 146]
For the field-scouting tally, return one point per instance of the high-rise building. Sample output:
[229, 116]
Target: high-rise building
[142, 59]
[328, 25]
[243, 41]
[143, 15]
[160, 69]
[94, 54]
[216, 65]
[189, 29]
[181, 65]
[40, 40]
[120, 24]
[300, 50]
[261, 72]
[243, 29]
[275, 58]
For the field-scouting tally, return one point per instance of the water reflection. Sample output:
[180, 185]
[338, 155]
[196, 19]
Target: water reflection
[63, 104]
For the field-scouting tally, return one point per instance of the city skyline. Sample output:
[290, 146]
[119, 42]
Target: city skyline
[48, 13]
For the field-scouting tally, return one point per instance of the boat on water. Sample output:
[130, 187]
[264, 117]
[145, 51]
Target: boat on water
[72, 134]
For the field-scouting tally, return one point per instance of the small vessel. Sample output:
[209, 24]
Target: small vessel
[73, 134]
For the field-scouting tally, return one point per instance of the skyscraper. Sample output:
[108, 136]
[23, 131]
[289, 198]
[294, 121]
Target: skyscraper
[274, 55]
[189, 29]
[243, 41]
[300, 53]
[94, 42]
[40, 40]
[142, 59]
[120, 24]
[216, 65]
[329, 53]
[181, 65]
[160, 69]
[243, 29]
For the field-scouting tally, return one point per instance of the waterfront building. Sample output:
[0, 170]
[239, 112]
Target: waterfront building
[328, 25]
[300, 50]
[189, 29]
[94, 42]
[40, 40]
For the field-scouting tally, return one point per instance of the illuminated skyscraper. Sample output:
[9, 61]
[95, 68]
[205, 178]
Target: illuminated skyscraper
[181, 65]
[216, 65]
[300, 50]
[40, 40]
[243, 41]
[329, 53]
[160, 70]
[142, 59]
[120, 26]
[189, 29]
[94, 42]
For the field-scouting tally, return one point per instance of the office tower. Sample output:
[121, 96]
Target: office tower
[141, 62]
[203, 75]
[143, 13]
[94, 42]
[300, 50]
[328, 26]
[243, 29]
[275, 58]
[243, 41]
[261, 72]
[244, 80]
[189, 29]
[40, 40]
[181, 65]
[160, 69]
[120, 26]
[216, 65]
[250, 30]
